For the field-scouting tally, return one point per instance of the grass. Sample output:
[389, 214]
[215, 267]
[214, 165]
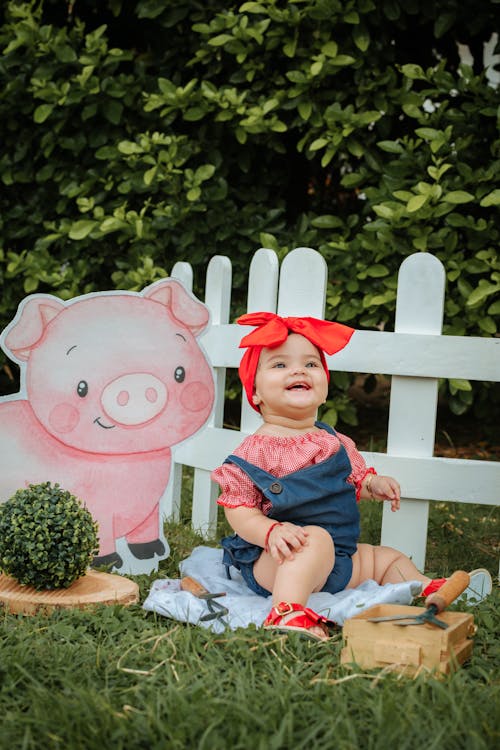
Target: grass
[126, 678]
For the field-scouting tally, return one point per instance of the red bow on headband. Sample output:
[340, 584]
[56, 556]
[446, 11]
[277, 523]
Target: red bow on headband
[272, 331]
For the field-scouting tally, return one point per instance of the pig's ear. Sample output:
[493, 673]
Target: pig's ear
[27, 329]
[184, 306]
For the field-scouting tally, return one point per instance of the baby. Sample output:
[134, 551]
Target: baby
[290, 491]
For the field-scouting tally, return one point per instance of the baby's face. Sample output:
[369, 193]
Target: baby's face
[290, 379]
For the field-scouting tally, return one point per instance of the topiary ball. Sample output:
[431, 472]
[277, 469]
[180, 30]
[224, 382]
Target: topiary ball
[47, 537]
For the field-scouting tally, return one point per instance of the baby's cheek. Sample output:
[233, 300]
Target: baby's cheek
[64, 418]
[195, 397]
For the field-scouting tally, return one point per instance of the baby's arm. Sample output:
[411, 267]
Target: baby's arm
[368, 483]
[381, 488]
[253, 526]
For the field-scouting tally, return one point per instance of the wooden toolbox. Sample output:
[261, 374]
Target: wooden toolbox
[411, 649]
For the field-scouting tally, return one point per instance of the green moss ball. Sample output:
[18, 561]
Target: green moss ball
[47, 537]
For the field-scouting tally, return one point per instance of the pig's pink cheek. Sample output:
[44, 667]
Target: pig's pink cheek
[195, 397]
[64, 418]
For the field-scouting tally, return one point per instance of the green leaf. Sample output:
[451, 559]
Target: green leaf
[342, 60]
[252, 8]
[268, 240]
[317, 144]
[377, 271]
[384, 211]
[414, 72]
[290, 48]
[330, 416]
[392, 147]
[193, 114]
[420, 243]
[149, 175]
[428, 134]
[205, 172]
[305, 108]
[488, 325]
[193, 194]
[220, 40]
[492, 199]
[415, 203]
[482, 291]
[353, 179]
[351, 16]
[443, 23]
[42, 112]
[457, 196]
[128, 148]
[361, 38]
[81, 229]
[330, 49]
[437, 172]
[30, 285]
[112, 224]
[459, 384]
[316, 67]
[327, 221]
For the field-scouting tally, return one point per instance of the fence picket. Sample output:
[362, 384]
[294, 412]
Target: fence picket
[218, 300]
[302, 285]
[413, 400]
[262, 296]
[183, 272]
[171, 500]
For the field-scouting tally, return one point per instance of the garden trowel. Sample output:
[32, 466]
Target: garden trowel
[216, 611]
[435, 603]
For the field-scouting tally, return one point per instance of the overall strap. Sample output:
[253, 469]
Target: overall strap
[325, 426]
[263, 480]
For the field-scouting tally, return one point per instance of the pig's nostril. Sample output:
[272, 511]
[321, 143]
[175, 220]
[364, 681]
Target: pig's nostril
[122, 398]
[151, 395]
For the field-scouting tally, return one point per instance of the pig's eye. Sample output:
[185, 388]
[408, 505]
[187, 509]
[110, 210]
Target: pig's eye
[179, 374]
[82, 388]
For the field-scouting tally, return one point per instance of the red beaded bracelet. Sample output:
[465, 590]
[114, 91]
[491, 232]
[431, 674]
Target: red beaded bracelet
[266, 546]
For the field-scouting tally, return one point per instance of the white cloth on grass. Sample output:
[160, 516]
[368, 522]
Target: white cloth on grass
[246, 608]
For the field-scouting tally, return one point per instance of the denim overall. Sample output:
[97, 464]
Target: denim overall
[317, 495]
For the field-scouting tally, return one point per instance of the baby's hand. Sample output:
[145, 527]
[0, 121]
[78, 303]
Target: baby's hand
[284, 540]
[386, 488]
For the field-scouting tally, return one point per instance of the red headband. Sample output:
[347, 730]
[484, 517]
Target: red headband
[272, 331]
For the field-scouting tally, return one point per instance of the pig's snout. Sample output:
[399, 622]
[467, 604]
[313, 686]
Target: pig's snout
[134, 399]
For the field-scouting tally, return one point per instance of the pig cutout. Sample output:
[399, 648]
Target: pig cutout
[109, 383]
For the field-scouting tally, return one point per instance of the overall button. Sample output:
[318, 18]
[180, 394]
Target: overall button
[276, 488]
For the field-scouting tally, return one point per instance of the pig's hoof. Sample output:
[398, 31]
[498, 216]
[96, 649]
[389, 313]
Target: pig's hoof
[108, 561]
[146, 550]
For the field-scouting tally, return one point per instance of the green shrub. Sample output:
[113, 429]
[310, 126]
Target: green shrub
[47, 538]
[138, 134]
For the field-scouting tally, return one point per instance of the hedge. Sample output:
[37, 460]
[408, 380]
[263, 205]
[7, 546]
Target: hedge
[137, 134]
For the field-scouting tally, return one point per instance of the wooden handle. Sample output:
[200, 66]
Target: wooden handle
[449, 591]
[193, 586]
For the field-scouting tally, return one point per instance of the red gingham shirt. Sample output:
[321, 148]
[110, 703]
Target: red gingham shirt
[280, 456]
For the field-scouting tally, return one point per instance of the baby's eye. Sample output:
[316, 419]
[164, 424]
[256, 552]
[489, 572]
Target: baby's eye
[279, 364]
[312, 364]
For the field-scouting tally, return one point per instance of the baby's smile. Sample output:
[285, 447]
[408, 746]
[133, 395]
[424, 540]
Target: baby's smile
[298, 387]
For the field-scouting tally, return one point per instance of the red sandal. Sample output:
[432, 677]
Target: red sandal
[433, 586]
[300, 623]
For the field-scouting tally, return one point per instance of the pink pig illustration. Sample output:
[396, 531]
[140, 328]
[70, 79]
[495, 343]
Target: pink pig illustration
[109, 383]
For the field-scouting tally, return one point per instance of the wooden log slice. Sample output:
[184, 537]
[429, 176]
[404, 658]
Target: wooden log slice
[91, 589]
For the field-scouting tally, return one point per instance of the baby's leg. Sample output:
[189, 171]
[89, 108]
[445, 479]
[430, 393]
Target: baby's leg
[295, 579]
[384, 565]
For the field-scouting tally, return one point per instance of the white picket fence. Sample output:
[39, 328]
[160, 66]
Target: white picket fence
[415, 355]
